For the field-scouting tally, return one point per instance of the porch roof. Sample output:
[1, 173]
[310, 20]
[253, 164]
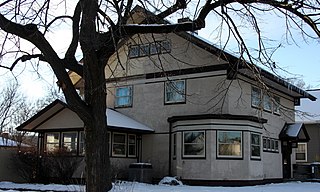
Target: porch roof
[49, 118]
[294, 132]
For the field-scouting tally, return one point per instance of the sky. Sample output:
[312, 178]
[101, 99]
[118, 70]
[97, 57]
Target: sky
[300, 60]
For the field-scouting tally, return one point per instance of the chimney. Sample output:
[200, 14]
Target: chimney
[186, 20]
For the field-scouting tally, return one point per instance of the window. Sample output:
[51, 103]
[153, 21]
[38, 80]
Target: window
[229, 144]
[175, 91]
[301, 152]
[255, 97]
[194, 144]
[132, 145]
[52, 142]
[270, 145]
[148, 49]
[276, 105]
[134, 51]
[174, 151]
[255, 146]
[165, 47]
[70, 141]
[267, 104]
[81, 143]
[155, 48]
[123, 96]
[144, 50]
[119, 144]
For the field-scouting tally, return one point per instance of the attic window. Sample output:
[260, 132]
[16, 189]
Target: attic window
[148, 49]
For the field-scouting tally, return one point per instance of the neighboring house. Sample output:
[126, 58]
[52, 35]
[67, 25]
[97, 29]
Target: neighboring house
[8, 153]
[189, 109]
[308, 153]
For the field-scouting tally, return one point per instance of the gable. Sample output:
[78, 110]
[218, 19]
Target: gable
[183, 55]
[65, 119]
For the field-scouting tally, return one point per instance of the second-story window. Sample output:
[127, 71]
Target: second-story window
[175, 92]
[123, 96]
[255, 97]
[267, 104]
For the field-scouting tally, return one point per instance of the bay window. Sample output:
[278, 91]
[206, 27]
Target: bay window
[229, 144]
[194, 144]
[255, 146]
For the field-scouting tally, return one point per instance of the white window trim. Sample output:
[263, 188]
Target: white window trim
[194, 156]
[125, 145]
[306, 152]
[255, 157]
[135, 145]
[130, 96]
[230, 156]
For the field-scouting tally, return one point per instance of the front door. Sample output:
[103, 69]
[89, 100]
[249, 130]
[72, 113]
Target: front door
[286, 159]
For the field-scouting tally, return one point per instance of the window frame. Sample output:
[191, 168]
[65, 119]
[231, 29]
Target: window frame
[129, 96]
[276, 105]
[174, 145]
[252, 145]
[175, 91]
[135, 53]
[270, 145]
[258, 97]
[124, 144]
[267, 102]
[200, 156]
[81, 149]
[130, 144]
[75, 142]
[51, 143]
[219, 143]
[305, 152]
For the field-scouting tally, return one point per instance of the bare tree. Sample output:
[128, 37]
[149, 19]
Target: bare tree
[100, 27]
[10, 100]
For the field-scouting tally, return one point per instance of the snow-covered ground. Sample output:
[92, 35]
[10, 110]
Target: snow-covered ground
[141, 187]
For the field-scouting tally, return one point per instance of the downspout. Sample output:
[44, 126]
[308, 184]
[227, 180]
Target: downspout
[170, 148]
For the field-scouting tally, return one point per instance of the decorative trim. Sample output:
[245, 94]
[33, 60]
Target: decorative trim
[216, 116]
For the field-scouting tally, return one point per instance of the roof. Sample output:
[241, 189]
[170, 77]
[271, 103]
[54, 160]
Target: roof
[269, 78]
[57, 109]
[4, 142]
[309, 111]
[294, 132]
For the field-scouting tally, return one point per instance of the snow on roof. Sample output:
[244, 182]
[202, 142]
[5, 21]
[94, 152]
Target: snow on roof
[4, 142]
[117, 119]
[309, 111]
[294, 129]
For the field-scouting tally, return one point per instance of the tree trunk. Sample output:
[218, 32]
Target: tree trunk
[96, 137]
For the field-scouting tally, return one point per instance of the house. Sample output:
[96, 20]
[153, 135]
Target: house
[189, 109]
[8, 153]
[307, 154]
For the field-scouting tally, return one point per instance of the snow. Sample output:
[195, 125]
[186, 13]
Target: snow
[141, 187]
[294, 129]
[8, 142]
[117, 119]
